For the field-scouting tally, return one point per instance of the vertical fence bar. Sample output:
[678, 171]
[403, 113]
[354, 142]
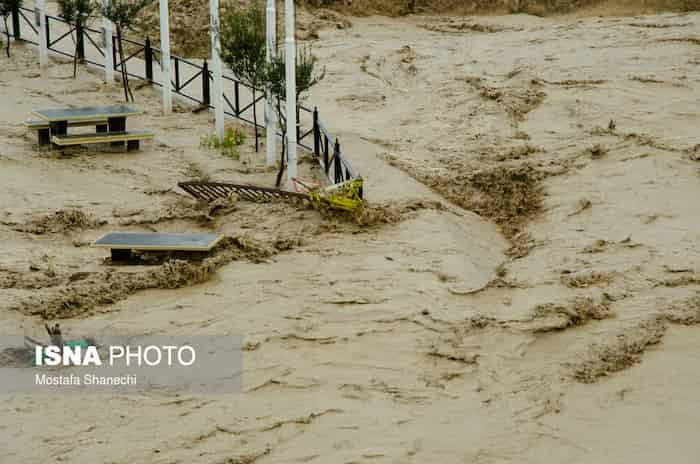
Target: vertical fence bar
[206, 97]
[80, 42]
[177, 74]
[298, 125]
[15, 24]
[236, 99]
[317, 135]
[326, 167]
[48, 32]
[338, 175]
[148, 55]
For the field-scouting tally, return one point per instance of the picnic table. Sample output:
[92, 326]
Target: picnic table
[121, 244]
[110, 123]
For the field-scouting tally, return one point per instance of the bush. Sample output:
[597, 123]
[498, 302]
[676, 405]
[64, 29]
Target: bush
[233, 138]
[243, 46]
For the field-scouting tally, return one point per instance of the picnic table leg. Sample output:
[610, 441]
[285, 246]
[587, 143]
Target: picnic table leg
[120, 255]
[116, 125]
[58, 128]
[44, 137]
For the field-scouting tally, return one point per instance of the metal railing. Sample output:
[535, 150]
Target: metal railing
[239, 103]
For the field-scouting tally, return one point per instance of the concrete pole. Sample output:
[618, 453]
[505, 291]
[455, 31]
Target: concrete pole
[218, 99]
[43, 44]
[290, 77]
[109, 53]
[165, 75]
[270, 113]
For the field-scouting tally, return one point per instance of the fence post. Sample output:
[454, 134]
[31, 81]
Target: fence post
[206, 98]
[316, 132]
[326, 166]
[15, 23]
[336, 162]
[43, 32]
[148, 52]
[108, 45]
[114, 52]
[80, 42]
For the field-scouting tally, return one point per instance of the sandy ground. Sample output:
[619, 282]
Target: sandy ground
[556, 325]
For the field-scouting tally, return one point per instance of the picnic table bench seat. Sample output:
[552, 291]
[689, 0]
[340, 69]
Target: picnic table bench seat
[42, 127]
[132, 138]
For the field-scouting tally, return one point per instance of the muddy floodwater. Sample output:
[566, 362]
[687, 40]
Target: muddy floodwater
[522, 286]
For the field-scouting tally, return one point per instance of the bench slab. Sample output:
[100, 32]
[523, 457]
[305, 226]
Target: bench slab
[101, 137]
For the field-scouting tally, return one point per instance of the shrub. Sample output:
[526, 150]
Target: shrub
[233, 138]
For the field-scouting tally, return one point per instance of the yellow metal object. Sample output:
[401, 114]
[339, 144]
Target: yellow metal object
[345, 196]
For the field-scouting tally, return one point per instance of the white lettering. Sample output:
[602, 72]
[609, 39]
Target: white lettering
[193, 355]
[151, 349]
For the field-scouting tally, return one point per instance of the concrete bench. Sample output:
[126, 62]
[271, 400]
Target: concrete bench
[121, 244]
[42, 127]
[132, 138]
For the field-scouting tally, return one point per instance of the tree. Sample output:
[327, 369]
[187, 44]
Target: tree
[78, 13]
[123, 14]
[6, 9]
[307, 76]
[243, 45]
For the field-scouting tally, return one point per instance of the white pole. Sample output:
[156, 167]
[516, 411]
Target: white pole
[43, 44]
[109, 53]
[270, 114]
[216, 68]
[290, 77]
[165, 75]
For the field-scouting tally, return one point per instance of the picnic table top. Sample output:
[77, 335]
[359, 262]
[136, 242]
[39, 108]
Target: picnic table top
[86, 113]
[157, 241]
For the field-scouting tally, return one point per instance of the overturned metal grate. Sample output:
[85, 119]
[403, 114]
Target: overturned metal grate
[209, 191]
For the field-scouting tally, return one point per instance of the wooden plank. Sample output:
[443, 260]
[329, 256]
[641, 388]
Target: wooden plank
[157, 241]
[101, 137]
[86, 113]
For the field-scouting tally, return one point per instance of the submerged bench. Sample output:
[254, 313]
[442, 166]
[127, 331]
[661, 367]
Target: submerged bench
[132, 138]
[42, 127]
[121, 244]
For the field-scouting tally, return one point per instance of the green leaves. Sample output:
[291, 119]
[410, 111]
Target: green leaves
[78, 12]
[306, 73]
[7, 6]
[243, 46]
[242, 36]
[123, 12]
[233, 138]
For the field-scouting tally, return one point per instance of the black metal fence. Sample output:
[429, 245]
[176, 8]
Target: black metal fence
[238, 98]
